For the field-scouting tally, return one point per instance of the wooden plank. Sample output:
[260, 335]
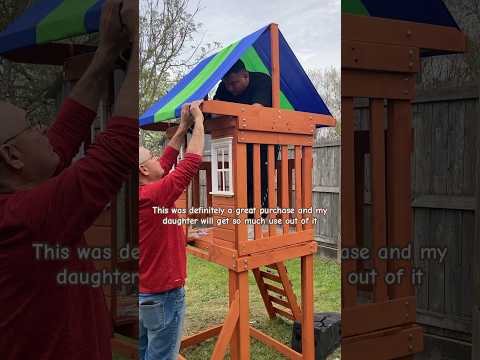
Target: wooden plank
[244, 316]
[227, 329]
[275, 344]
[395, 344]
[285, 187]
[223, 234]
[275, 289]
[200, 337]
[399, 86]
[403, 33]
[275, 58]
[278, 301]
[308, 344]
[270, 276]
[259, 275]
[261, 137]
[298, 186]
[275, 242]
[232, 292]
[287, 285]
[272, 192]
[380, 57]
[362, 319]
[257, 190]
[284, 313]
[240, 183]
[348, 227]
[379, 220]
[307, 164]
[447, 202]
[399, 212]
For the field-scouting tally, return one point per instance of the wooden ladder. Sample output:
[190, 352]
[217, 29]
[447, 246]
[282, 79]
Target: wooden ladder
[277, 293]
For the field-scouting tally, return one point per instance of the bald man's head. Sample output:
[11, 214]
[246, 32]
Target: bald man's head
[26, 156]
[149, 168]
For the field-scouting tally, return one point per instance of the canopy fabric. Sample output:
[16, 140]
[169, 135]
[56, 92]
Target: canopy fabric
[432, 12]
[297, 91]
[51, 20]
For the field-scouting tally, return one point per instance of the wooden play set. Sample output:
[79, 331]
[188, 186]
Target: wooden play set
[381, 56]
[117, 225]
[241, 246]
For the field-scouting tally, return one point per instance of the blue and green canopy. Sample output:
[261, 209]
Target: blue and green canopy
[51, 20]
[297, 91]
[433, 12]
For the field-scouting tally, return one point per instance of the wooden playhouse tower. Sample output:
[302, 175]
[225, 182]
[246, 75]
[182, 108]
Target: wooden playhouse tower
[240, 247]
[381, 54]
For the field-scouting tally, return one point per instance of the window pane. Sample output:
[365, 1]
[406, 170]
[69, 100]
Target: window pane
[220, 180]
[220, 158]
[227, 180]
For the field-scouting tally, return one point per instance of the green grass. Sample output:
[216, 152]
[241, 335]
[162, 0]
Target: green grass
[207, 304]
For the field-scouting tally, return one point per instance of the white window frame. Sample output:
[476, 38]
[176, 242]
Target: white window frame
[215, 145]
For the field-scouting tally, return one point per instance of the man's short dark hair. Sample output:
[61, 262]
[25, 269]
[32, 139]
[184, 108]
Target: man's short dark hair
[237, 68]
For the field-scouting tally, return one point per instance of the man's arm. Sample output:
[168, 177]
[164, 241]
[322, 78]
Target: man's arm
[79, 110]
[198, 136]
[262, 94]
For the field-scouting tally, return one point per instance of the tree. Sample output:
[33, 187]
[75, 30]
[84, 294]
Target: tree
[327, 83]
[167, 52]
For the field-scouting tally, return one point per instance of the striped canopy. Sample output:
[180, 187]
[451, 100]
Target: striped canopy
[432, 12]
[297, 91]
[51, 20]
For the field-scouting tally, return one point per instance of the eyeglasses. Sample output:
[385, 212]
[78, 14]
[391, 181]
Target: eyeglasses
[152, 157]
[36, 127]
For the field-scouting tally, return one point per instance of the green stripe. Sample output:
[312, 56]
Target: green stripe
[254, 63]
[68, 19]
[168, 111]
[354, 7]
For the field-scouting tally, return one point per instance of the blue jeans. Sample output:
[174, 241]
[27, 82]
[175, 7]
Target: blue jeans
[161, 324]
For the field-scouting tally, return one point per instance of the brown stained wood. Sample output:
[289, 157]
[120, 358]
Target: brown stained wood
[244, 316]
[285, 187]
[232, 291]
[394, 344]
[224, 201]
[257, 191]
[287, 285]
[275, 57]
[227, 329]
[275, 289]
[272, 192]
[399, 212]
[348, 230]
[200, 337]
[378, 85]
[307, 165]
[275, 242]
[270, 276]
[262, 137]
[275, 344]
[284, 313]
[240, 186]
[279, 301]
[298, 186]
[259, 276]
[367, 318]
[308, 345]
[404, 33]
[380, 57]
[224, 234]
[379, 220]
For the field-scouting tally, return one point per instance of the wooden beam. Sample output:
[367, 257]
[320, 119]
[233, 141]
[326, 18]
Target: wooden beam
[240, 186]
[200, 337]
[270, 138]
[281, 348]
[275, 242]
[272, 191]
[285, 188]
[257, 191]
[380, 57]
[403, 33]
[287, 285]
[244, 316]
[307, 165]
[227, 329]
[361, 319]
[298, 186]
[275, 57]
[308, 344]
[263, 292]
[232, 292]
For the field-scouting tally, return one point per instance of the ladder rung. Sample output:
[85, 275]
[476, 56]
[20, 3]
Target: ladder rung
[272, 266]
[280, 302]
[272, 277]
[284, 313]
[275, 289]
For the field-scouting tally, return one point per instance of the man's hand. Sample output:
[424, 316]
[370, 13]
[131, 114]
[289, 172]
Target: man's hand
[129, 17]
[113, 37]
[186, 120]
[197, 112]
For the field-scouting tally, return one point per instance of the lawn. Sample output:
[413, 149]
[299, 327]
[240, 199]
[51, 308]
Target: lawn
[207, 300]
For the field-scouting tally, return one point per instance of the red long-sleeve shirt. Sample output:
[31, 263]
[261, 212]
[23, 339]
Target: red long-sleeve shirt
[40, 319]
[162, 264]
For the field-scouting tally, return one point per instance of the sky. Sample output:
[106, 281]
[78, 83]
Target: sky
[311, 27]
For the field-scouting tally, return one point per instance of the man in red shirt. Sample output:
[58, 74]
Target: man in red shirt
[46, 205]
[162, 266]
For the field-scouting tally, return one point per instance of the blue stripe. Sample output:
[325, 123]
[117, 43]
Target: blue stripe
[294, 82]
[92, 17]
[432, 12]
[22, 32]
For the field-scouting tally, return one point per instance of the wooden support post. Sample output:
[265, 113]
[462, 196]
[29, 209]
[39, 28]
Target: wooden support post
[244, 316]
[399, 210]
[235, 340]
[307, 165]
[349, 292]
[257, 191]
[272, 192]
[274, 41]
[240, 180]
[264, 293]
[308, 346]
[228, 329]
[298, 186]
[284, 187]
[379, 220]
